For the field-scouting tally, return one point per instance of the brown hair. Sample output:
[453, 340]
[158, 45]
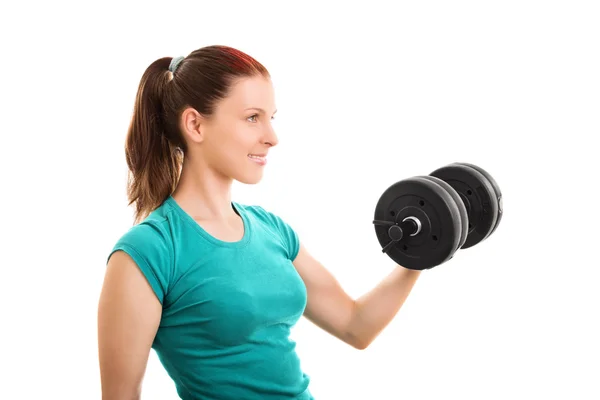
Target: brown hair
[155, 147]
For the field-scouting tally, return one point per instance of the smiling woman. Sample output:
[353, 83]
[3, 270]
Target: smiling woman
[196, 277]
[212, 285]
[191, 107]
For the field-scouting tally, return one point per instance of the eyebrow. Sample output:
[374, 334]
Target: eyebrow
[259, 109]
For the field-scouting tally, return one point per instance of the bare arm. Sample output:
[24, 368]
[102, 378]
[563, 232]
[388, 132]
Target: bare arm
[375, 309]
[128, 317]
[355, 321]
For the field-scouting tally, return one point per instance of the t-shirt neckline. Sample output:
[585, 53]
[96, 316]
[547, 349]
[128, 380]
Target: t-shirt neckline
[207, 236]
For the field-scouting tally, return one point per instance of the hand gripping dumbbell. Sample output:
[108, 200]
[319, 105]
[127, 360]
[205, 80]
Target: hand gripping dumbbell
[422, 221]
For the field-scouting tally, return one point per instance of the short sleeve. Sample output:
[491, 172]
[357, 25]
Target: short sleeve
[147, 246]
[287, 233]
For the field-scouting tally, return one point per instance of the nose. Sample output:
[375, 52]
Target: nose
[270, 136]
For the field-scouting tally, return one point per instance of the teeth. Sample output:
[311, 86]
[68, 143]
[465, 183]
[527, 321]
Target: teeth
[257, 157]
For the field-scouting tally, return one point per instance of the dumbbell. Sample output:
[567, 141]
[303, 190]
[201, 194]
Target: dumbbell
[420, 222]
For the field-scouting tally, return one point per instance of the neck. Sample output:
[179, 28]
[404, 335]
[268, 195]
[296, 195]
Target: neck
[204, 193]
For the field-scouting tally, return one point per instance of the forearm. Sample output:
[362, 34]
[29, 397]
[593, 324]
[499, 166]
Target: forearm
[375, 309]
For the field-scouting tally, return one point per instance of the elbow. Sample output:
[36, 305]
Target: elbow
[360, 345]
[354, 339]
[121, 396]
[121, 392]
[357, 342]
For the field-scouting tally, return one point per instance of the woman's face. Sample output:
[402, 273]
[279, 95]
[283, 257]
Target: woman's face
[236, 140]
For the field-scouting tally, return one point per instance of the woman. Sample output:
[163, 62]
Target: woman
[212, 285]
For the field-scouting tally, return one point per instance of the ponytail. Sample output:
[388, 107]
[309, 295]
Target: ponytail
[153, 160]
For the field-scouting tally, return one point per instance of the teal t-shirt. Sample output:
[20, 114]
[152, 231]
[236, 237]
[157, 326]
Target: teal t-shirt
[228, 307]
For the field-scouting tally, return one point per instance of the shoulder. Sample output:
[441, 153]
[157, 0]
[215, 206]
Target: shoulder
[265, 216]
[149, 245]
[277, 224]
[149, 236]
[259, 212]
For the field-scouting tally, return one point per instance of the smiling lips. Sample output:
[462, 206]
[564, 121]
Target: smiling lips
[260, 159]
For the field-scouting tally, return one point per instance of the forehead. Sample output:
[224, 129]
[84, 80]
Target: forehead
[251, 92]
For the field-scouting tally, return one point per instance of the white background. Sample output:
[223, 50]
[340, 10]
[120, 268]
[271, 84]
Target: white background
[362, 88]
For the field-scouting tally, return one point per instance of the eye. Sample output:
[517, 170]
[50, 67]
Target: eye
[256, 115]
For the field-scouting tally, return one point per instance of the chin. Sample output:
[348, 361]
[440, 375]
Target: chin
[250, 179]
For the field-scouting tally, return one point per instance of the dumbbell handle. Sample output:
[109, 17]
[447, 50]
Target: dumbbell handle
[410, 226]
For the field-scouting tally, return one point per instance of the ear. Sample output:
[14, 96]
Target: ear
[192, 125]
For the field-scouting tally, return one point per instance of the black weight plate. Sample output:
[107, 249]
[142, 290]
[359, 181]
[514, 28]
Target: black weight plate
[478, 196]
[460, 207]
[433, 207]
[455, 227]
[496, 189]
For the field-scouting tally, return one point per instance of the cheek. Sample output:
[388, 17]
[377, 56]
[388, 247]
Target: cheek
[223, 138]
[241, 139]
[232, 142]
[233, 146]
